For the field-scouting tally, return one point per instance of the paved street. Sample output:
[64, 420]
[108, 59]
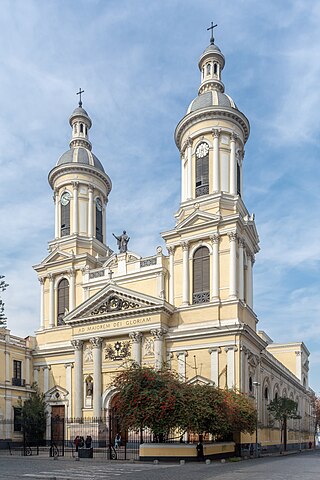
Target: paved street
[303, 466]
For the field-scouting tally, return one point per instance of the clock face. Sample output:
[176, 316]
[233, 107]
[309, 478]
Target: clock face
[65, 199]
[202, 150]
[99, 204]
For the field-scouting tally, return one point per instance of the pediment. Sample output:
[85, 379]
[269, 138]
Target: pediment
[198, 218]
[57, 256]
[113, 301]
[56, 394]
[200, 380]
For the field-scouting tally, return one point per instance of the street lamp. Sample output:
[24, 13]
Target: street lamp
[257, 384]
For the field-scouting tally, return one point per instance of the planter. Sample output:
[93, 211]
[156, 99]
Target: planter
[85, 452]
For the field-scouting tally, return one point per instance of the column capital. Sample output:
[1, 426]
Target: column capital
[37, 369]
[68, 365]
[90, 187]
[232, 236]
[185, 246]
[158, 333]
[189, 142]
[231, 347]
[96, 342]
[244, 349]
[136, 337]
[241, 242]
[182, 354]
[77, 344]
[71, 272]
[75, 185]
[51, 277]
[298, 353]
[215, 132]
[215, 238]
[214, 350]
[233, 137]
[46, 367]
[171, 249]
[41, 280]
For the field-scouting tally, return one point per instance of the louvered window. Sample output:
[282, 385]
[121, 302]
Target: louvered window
[99, 235]
[202, 176]
[238, 180]
[201, 275]
[63, 300]
[65, 220]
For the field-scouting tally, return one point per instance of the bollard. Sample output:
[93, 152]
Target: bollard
[223, 460]
[156, 462]
[182, 462]
[208, 461]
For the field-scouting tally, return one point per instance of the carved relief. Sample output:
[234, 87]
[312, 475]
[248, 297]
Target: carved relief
[114, 303]
[149, 347]
[88, 357]
[118, 351]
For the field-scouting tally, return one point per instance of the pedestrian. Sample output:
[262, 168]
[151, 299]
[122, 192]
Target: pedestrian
[76, 442]
[81, 442]
[199, 447]
[117, 441]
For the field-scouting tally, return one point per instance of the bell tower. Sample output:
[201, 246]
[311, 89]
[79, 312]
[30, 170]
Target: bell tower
[81, 188]
[212, 247]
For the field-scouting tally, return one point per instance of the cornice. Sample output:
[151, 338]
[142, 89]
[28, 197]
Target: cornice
[57, 171]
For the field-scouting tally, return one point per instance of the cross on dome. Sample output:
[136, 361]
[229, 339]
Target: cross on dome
[79, 93]
[211, 28]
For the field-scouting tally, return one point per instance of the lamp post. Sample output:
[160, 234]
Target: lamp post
[256, 385]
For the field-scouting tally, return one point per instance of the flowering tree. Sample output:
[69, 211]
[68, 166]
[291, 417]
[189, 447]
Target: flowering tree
[160, 401]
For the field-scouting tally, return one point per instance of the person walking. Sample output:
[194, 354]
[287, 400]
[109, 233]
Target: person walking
[117, 441]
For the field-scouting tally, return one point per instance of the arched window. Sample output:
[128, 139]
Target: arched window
[201, 276]
[65, 214]
[202, 169]
[208, 69]
[276, 396]
[99, 234]
[81, 128]
[266, 393]
[63, 300]
[215, 68]
[250, 385]
[75, 128]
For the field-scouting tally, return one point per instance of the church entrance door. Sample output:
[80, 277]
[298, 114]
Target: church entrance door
[57, 430]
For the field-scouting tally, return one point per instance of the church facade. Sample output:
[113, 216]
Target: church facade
[188, 306]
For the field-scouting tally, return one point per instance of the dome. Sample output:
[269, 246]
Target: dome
[79, 112]
[212, 98]
[80, 155]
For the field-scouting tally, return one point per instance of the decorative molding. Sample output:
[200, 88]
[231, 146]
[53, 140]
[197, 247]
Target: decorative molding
[189, 142]
[75, 185]
[98, 274]
[171, 249]
[185, 246]
[232, 236]
[96, 342]
[215, 133]
[158, 333]
[148, 262]
[114, 303]
[136, 337]
[233, 137]
[118, 351]
[215, 238]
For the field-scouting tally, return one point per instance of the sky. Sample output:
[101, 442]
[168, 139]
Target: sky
[137, 63]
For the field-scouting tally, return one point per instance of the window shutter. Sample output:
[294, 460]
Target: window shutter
[99, 225]
[201, 270]
[65, 220]
[63, 297]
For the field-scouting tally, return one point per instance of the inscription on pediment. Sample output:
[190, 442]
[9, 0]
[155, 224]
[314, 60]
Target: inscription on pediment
[114, 304]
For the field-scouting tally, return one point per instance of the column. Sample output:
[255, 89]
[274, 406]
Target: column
[68, 367]
[27, 372]
[298, 365]
[36, 375]
[171, 273]
[185, 268]
[189, 169]
[136, 338]
[241, 269]
[72, 292]
[8, 417]
[183, 195]
[56, 214]
[249, 296]
[78, 384]
[243, 369]
[104, 213]
[51, 300]
[216, 165]
[215, 267]
[158, 346]
[75, 218]
[97, 366]
[46, 384]
[230, 365]
[7, 362]
[233, 165]
[181, 356]
[161, 284]
[90, 211]
[41, 280]
[233, 266]
[214, 363]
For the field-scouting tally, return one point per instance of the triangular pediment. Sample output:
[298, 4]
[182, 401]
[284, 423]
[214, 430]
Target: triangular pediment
[56, 394]
[198, 218]
[57, 256]
[112, 302]
[200, 380]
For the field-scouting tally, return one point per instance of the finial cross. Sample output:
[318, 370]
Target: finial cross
[79, 93]
[211, 28]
